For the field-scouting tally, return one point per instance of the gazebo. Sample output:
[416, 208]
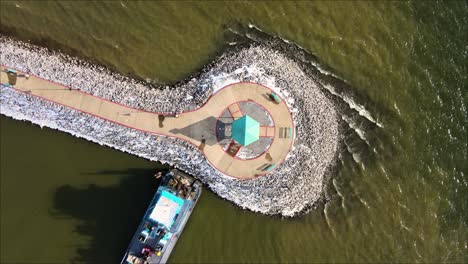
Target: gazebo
[245, 130]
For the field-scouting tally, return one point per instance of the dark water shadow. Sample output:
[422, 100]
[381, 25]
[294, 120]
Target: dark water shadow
[107, 215]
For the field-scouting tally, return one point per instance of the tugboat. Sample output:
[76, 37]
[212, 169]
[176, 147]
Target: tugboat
[164, 219]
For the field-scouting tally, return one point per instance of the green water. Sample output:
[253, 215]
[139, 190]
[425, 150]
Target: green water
[64, 199]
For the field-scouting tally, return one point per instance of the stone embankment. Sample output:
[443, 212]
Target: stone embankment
[290, 189]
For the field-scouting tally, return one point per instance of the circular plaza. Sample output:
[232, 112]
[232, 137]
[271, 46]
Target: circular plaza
[249, 133]
[245, 130]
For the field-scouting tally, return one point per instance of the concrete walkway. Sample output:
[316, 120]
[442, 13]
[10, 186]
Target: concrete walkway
[197, 127]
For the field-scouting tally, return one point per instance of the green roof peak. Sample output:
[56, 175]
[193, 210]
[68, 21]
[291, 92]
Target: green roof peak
[245, 130]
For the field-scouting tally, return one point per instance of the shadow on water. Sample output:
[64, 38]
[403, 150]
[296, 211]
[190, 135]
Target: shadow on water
[107, 215]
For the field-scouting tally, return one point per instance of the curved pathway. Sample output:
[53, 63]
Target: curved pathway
[197, 127]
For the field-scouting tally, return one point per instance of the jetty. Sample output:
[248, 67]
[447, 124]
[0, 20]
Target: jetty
[223, 125]
[244, 129]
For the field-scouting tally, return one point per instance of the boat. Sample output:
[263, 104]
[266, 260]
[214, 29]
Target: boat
[164, 220]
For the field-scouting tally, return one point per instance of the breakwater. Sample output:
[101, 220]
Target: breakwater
[291, 188]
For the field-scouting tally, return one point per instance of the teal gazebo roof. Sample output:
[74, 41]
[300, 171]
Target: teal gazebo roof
[245, 130]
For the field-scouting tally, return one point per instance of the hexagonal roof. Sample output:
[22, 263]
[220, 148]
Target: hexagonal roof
[245, 130]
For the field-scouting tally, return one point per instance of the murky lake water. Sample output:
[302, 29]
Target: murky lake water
[401, 190]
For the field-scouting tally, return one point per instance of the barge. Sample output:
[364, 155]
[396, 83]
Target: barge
[164, 219]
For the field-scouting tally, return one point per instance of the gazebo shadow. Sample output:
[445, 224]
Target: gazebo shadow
[223, 130]
[203, 131]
